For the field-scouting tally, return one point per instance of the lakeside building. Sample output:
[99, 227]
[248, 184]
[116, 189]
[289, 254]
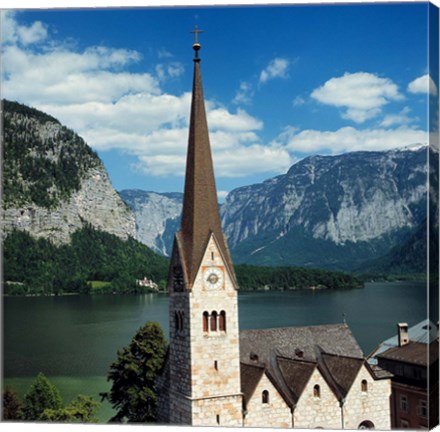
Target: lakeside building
[214, 375]
[412, 357]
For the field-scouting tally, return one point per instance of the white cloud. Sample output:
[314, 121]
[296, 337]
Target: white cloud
[362, 94]
[221, 194]
[423, 84]
[277, 68]
[399, 119]
[244, 94]
[64, 77]
[350, 139]
[171, 70]
[12, 32]
[221, 118]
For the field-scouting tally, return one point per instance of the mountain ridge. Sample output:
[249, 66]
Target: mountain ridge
[356, 207]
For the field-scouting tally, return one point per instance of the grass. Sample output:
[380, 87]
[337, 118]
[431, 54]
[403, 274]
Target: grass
[99, 286]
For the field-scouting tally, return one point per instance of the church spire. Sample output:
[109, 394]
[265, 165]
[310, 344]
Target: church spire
[200, 214]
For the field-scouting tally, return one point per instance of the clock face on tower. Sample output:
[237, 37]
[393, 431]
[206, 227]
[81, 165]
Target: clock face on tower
[213, 277]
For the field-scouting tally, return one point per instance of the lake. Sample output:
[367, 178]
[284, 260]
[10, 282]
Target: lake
[74, 339]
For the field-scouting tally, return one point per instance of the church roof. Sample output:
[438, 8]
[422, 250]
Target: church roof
[290, 355]
[299, 342]
[200, 214]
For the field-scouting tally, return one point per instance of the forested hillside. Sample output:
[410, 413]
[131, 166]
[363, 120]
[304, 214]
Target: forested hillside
[39, 166]
[34, 266]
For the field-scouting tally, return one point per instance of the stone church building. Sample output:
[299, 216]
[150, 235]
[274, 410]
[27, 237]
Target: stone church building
[215, 375]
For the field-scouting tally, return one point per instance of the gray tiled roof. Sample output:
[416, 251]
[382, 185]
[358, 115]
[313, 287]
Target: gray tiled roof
[289, 356]
[299, 342]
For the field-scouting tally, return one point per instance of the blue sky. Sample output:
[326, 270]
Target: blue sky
[280, 82]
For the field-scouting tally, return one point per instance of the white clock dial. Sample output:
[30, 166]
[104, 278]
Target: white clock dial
[213, 278]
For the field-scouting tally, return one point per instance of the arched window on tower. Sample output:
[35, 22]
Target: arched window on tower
[222, 321]
[213, 321]
[316, 391]
[265, 397]
[205, 322]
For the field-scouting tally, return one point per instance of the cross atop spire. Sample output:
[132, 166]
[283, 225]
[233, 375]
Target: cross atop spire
[196, 45]
[196, 32]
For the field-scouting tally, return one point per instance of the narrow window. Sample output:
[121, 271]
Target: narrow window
[213, 321]
[403, 403]
[423, 408]
[205, 321]
[176, 321]
[181, 320]
[216, 365]
[212, 256]
[218, 418]
[316, 391]
[265, 397]
[222, 321]
[364, 386]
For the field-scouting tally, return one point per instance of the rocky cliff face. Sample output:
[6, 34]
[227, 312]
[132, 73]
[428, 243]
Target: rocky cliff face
[53, 182]
[349, 198]
[157, 217]
[334, 204]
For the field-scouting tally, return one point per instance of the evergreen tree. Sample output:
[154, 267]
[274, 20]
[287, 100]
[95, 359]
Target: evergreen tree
[134, 374]
[12, 406]
[42, 395]
[81, 410]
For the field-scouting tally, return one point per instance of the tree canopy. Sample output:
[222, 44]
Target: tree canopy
[133, 376]
[43, 402]
[42, 395]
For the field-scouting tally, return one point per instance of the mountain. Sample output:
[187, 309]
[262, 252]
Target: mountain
[53, 182]
[336, 212]
[330, 211]
[157, 217]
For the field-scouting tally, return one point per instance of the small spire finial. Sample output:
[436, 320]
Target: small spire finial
[196, 45]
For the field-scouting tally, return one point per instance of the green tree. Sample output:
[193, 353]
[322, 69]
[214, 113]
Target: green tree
[12, 405]
[133, 375]
[81, 410]
[42, 395]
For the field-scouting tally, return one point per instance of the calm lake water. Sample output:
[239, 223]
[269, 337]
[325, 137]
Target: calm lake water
[74, 339]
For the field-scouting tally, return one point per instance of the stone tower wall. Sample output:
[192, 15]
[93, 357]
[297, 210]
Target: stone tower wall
[215, 365]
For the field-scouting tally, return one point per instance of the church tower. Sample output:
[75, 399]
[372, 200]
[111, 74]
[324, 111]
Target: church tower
[204, 365]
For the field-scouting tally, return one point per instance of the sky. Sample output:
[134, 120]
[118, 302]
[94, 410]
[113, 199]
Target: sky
[281, 83]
